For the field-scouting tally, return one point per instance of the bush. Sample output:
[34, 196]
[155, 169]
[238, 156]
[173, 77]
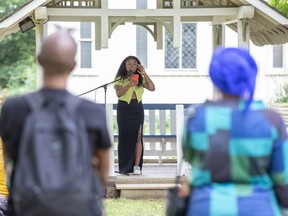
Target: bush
[282, 97]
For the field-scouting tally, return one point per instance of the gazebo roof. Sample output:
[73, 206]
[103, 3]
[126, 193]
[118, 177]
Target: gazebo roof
[267, 24]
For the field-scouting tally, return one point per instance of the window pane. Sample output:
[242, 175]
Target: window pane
[141, 4]
[85, 29]
[86, 54]
[189, 45]
[171, 53]
[278, 56]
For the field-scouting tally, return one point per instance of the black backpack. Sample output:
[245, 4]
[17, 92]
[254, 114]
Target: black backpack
[53, 175]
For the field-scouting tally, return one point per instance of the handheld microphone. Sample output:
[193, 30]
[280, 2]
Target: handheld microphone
[129, 73]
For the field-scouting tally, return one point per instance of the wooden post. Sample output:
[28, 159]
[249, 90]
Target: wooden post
[40, 33]
[243, 33]
[179, 126]
[109, 119]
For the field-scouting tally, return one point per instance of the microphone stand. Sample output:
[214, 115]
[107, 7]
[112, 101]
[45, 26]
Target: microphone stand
[102, 86]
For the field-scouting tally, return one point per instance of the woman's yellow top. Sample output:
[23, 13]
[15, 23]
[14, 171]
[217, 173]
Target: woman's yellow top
[3, 187]
[128, 94]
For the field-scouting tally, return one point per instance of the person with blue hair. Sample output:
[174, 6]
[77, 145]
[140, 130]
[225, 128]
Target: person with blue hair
[238, 148]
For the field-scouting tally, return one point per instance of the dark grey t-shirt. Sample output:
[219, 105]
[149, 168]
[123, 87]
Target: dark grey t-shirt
[16, 109]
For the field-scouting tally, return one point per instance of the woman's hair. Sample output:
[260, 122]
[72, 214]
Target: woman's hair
[233, 71]
[122, 73]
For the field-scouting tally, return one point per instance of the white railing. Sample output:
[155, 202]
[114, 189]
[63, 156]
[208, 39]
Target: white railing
[162, 131]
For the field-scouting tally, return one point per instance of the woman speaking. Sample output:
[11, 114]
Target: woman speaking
[130, 81]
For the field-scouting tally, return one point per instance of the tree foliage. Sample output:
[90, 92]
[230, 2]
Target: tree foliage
[17, 56]
[281, 5]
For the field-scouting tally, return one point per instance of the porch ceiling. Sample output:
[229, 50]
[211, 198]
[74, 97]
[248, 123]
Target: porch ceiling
[267, 26]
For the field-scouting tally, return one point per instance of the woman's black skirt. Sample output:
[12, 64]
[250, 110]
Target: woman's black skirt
[130, 118]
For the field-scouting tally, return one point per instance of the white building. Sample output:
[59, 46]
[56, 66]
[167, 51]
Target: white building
[173, 85]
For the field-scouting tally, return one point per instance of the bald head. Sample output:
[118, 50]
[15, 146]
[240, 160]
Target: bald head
[58, 52]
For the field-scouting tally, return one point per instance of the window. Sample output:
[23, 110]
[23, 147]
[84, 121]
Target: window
[85, 45]
[278, 56]
[185, 56]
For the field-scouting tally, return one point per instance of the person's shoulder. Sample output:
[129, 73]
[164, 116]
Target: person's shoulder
[93, 113]
[276, 120]
[88, 106]
[15, 102]
[272, 114]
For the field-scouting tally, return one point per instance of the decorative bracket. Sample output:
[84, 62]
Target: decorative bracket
[149, 23]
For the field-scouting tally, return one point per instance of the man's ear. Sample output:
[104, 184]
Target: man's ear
[73, 65]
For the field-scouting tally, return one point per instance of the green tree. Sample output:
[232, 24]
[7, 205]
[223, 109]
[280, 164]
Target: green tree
[281, 5]
[17, 56]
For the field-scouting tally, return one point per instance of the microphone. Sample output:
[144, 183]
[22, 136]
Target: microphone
[130, 72]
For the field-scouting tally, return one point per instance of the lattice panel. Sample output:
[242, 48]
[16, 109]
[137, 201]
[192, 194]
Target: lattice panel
[171, 53]
[189, 45]
[75, 3]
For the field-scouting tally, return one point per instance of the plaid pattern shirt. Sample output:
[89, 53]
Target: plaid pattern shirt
[239, 159]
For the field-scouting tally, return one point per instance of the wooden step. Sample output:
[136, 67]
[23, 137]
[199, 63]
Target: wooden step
[152, 184]
[143, 186]
[143, 191]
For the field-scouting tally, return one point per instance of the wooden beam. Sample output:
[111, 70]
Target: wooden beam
[191, 12]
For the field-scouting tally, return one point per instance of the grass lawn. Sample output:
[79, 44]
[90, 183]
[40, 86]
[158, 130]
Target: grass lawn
[129, 207]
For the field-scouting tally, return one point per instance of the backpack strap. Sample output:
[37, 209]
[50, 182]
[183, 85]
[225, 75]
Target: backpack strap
[34, 100]
[72, 103]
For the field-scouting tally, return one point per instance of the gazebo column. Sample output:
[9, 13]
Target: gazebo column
[218, 40]
[40, 15]
[245, 13]
[109, 118]
[40, 33]
[243, 33]
[104, 24]
[218, 36]
[176, 24]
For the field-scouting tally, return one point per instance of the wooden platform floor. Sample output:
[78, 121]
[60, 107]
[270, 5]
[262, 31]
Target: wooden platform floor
[152, 171]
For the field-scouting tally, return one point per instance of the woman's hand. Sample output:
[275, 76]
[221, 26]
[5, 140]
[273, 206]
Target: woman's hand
[131, 82]
[141, 69]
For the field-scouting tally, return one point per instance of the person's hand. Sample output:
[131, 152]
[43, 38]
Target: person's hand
[284, 212]
[131, 82]
[141, 69]
[184, 189]
[95, 162]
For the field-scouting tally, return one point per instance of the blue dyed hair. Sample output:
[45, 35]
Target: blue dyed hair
[233, 71]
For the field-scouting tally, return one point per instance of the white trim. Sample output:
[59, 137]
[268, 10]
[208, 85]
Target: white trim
[179, 73]
[89, 12]
[13, 29]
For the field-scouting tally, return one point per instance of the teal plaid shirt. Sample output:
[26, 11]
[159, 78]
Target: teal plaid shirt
[239, 159]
